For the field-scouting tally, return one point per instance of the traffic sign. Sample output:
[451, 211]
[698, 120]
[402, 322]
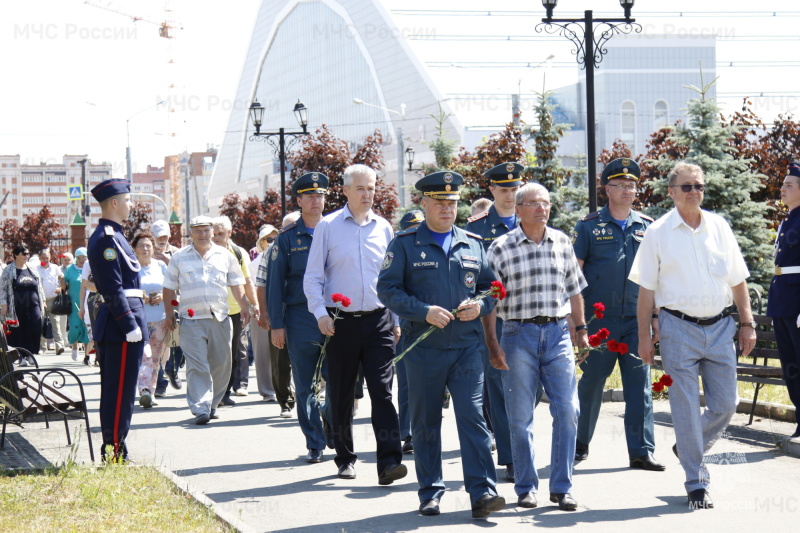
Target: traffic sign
[75, 192]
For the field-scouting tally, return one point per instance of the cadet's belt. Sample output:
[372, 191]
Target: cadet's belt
[700, 321]
[538, 320]
[135, 293]
[355, 314]
[787, 270]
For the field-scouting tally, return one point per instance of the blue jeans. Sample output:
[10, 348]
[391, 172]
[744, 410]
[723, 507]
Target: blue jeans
[543, 354]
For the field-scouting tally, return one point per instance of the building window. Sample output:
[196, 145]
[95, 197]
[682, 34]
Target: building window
[628, 134]
[661, 112]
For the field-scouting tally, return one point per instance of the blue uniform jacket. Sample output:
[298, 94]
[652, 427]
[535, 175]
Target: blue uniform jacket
[114, 269]
[417, 274]
[287, 265]
[608, 252]
[784, 291]
[489, 226]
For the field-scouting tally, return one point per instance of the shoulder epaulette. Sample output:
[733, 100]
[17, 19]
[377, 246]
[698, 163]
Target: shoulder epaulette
[287, 228]
[407, 231]
[474, 235]
[590, 216]
[108, 230]
[478, 216]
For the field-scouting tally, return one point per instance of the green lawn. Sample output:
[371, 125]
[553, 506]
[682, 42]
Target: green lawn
[105, 499]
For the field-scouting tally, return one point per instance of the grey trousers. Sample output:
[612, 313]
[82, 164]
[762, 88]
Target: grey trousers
[690, 351]
[206, 345]
[261, 359]
[59, 324]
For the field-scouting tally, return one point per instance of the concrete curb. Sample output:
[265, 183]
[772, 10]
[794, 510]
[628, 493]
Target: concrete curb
[223, 516]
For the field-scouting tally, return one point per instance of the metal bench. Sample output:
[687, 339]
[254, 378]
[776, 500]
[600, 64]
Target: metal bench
[34, 393]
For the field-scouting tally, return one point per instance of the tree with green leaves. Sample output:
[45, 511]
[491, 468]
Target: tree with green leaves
[568, 193]
[730, 182]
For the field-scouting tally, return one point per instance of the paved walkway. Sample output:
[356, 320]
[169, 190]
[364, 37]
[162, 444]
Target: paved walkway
[249, 464]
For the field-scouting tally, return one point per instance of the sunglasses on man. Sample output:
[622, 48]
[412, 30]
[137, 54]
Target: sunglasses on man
[686, 187]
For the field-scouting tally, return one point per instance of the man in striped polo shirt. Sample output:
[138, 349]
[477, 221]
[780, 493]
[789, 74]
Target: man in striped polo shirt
[201, 272]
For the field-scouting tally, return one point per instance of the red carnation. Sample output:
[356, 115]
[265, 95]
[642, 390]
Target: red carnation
[594, 341]
[622, 348]
[612, 345]
[658, 387]
[598, 315]
[603, 334]
[190, 312]
[337, 297]
[599, 307]
[666, 380]
[174, 303]
[498, 290]
[44, 264]
[346, 301]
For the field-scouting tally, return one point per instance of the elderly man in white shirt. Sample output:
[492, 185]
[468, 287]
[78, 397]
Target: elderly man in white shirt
[52, 282]
[202, 272]
[689, 266]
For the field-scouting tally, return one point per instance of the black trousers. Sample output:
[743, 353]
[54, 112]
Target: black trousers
[28, 332]
[367, 341]
[119, 371]
[787, 335]
[281, 374]
[240, 367]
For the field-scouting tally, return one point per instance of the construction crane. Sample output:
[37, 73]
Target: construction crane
[165, 28]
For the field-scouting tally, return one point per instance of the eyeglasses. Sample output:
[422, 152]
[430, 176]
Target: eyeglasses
[24, 253]
[628, 187]
[687, 187]
[536, 205]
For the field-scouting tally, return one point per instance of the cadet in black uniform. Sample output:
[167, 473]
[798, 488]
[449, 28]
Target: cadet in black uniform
[120, 328]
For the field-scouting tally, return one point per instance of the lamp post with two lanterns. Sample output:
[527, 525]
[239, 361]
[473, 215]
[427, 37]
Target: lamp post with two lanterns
[257, 116]
[589, 52]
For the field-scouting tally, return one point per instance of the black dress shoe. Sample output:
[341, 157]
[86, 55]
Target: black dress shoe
[487, 504]
[214, 415]
[227, 400]
[564, 500]
[408, 446]
[347, 471]
[581, 451]
[392, 473]
[527, 500]
[699, 499]
[647, 462]
[202, 419]
[510, 473]
[175, 381]
[429, 508]
[314, 456]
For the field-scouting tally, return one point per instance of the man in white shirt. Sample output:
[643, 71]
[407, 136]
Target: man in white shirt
[689, 266]
[52, 278]
[202, 272]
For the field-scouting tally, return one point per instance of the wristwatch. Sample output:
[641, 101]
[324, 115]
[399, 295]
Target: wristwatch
[751, 324]
[580, 328]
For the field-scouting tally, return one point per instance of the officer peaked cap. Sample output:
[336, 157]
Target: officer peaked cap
[505, 174]
[108, 188]
[441, 185]
[624, 167]
[310, 183]
[794, 169]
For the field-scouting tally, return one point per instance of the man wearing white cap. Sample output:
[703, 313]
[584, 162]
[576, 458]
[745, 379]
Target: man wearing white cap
[202, 271]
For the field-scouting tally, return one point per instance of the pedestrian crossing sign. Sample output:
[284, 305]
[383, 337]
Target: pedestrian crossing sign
[75, 192]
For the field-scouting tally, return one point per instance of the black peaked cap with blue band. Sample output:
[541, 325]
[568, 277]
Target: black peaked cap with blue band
[108, 188]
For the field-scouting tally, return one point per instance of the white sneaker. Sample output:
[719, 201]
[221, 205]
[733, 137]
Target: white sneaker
[240, 392]
[23, 361]
[74, 354]
[31, 361]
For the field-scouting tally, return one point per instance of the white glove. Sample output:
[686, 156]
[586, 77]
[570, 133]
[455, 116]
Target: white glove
[148, 352]
[135, 335]
[798, 321]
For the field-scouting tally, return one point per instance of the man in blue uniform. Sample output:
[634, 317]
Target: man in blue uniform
[783, 304]
[291, 322]
[428, 271]
[498, 220]
[120, 328]
[410, 220]
[605, 244]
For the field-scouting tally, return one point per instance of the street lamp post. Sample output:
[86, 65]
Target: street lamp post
[400, 145]
[128, 131]
[589, 52]
[257, 116]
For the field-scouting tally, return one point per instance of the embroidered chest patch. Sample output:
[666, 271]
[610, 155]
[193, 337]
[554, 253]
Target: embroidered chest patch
[469, 280]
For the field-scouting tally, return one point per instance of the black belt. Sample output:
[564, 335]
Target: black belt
[355, 314]
[538, 320]
[701, 321]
